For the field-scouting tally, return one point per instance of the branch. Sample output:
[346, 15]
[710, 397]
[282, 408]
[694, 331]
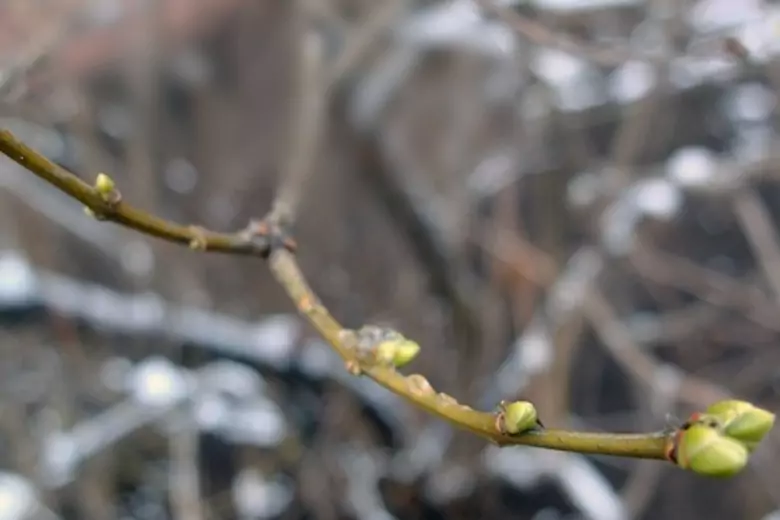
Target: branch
[104, 208]
[266, 239]
[255, 241]
[610, 55]
[309, 113]
[541, 35]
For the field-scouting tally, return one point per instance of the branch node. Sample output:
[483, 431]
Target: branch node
[198, 242]
[419, 386]
[270, 234]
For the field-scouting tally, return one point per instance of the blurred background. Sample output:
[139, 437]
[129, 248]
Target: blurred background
[573, 202]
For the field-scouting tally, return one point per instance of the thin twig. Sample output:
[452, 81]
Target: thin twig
[25, 62]
[120, 212]
[285, 269]
[761, 232]
[185, 482]
[361, 40]
[540, 35]
[606, 55]
[618, 340]
[615, 335]
[306, 126]
[708, 285]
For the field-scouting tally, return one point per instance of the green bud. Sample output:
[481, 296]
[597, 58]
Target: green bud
[751, 427]
[104, 185]
[705, 451]
[518, 417]
[742, 421]
[397, 352]
[728, 408]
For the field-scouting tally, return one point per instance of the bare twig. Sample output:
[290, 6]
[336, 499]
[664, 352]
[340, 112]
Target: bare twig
[396, 181]
[710, 286]
[759, 229]
[306, 126]
[360, 41]
[28, 60]
[121, 213]
[615, 335]
[541, 35]
[185, 485]
[636, 361]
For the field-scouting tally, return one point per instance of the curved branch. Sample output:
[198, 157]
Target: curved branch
[105, 202]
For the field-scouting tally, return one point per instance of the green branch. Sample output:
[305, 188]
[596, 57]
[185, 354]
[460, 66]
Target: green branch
[377, 353]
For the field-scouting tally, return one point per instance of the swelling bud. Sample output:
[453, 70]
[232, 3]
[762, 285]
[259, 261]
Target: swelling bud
[517, 417]
[104, 184]
[705, 451]
[742, 421]
[397, 352]
[106, 188]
